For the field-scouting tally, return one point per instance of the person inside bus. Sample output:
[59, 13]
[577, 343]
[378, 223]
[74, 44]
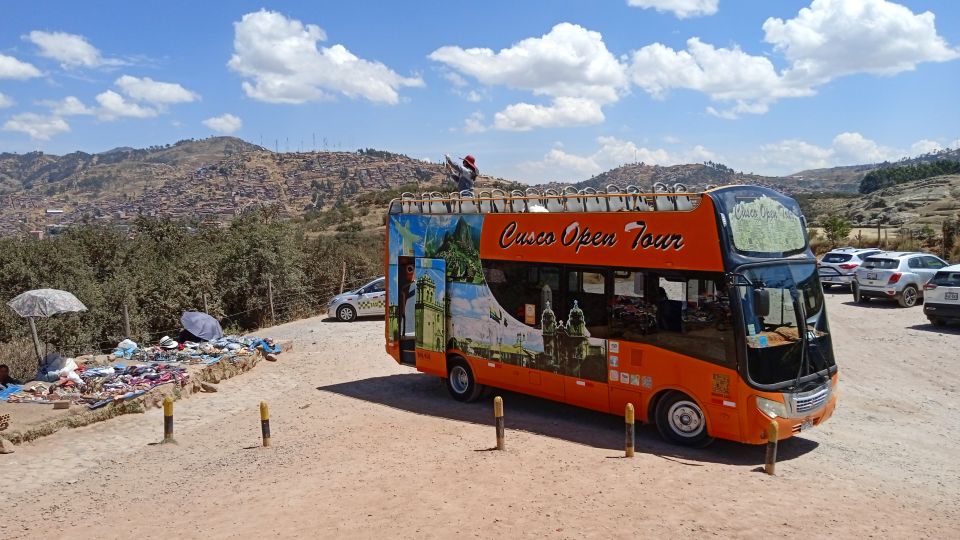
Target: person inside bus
[465, 175]
[669, 312]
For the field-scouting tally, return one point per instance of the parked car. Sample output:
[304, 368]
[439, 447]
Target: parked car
[895, 275]
[941, 296]
[371, 299]
[838, 266]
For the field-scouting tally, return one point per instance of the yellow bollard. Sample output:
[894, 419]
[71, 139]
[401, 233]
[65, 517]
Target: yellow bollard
[168, 420]
[265, 423]
[772, 435]
[628, 416]
[498, 416]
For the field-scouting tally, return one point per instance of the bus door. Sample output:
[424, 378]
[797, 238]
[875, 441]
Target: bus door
[430, 316]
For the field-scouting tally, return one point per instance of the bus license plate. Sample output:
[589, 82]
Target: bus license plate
[871, 275]
[950, 296]
[806, 425]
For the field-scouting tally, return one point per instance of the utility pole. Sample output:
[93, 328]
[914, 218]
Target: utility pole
[343, 277]
[126, 321]
[206, 309]
[273, 315]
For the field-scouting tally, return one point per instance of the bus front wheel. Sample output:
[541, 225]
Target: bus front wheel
[681, 421]
[460, 381]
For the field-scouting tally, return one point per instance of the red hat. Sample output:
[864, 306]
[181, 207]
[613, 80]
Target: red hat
[470, 162]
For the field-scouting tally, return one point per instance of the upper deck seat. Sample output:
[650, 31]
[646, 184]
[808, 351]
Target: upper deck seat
[552, 200]
[573, 200]
[468, 203]
[661, 202]
[437, 203]
[682, 202]
[593, 200]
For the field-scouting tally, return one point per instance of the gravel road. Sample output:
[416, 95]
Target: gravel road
[363, 447]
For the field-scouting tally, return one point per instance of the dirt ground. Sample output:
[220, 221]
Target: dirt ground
[363, 447]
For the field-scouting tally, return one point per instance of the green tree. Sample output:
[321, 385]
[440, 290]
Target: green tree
[837, 229]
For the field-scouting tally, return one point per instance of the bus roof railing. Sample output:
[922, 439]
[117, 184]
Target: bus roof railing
[488, 201]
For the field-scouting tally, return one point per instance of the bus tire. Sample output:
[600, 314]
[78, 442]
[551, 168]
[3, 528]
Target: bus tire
[460, 381]
[681, 421]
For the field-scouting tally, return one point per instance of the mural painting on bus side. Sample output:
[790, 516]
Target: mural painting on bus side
[476, 322]
[454, 238]
[480, 327]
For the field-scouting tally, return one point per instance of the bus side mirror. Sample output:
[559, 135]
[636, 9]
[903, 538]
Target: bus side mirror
[761, 302]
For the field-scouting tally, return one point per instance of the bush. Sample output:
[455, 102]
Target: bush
[165, 267]
[837, 229]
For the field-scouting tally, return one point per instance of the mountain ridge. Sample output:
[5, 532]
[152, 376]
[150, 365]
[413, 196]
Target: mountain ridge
[217, 178]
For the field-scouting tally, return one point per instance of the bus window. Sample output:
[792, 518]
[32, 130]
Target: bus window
[627, 284]
[518, 284]
[631, 317]
[588, 289]
[688, 315]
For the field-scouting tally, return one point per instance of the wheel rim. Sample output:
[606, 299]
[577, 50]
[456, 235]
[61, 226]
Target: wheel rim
[459, 379]
[685, 419]
[909, 296]
[346, 313]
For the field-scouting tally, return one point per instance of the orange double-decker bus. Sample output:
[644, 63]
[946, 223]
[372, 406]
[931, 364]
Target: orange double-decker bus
[686, 305]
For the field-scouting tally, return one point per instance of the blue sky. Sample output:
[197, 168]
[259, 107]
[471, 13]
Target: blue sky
[536, 90]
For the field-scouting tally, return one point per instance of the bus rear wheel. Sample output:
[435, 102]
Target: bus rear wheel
[460, 381]
[681, 421]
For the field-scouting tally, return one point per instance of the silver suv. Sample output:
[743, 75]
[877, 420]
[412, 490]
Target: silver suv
[838, 266]
[895, 275]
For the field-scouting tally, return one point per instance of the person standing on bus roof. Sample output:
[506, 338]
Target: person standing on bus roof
[464, 175]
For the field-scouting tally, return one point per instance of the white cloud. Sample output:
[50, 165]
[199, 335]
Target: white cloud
[829, 39]
[11, 68]
[570, 64]
[68, 106]
[564, 111]
[455, 79]
[155, 92]
[71, 50]
[832, 38]
[37, 126]
[114, 106]
[474, 123]
[924, 146]
[726, 75]
[847, 148]
[6, 101]
[561, 165]
[225, 123]
[681, 8]
[281, 59]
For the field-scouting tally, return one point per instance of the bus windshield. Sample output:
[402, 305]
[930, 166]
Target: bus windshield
[776, 352]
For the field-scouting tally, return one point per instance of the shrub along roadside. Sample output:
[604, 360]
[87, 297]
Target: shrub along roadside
[163, 267]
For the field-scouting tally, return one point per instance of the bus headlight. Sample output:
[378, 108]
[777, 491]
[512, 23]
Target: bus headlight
[771, 408]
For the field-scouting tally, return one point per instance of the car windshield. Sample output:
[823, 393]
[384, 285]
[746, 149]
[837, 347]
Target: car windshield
[775, 351]
[836, 257]
[947, 279]
[882, 264]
